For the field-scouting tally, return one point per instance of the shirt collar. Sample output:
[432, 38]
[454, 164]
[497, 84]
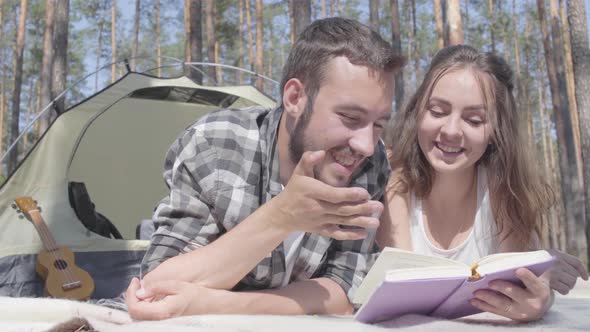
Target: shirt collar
[270, 154]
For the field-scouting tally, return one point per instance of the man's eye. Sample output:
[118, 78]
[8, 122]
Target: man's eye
[350, 119]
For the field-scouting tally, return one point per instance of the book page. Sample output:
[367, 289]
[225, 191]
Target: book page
[432, 272]
[511, 260]
[402, 259]
[392, 259]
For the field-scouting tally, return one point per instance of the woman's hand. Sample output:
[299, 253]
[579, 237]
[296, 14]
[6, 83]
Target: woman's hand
[513, 301]
[564, 272]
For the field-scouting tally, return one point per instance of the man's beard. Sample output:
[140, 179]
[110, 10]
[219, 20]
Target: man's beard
[297, 144]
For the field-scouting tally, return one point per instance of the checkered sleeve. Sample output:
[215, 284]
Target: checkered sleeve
[348, 262]
[185, 218]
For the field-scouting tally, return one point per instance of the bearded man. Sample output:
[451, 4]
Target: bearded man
[275, 211]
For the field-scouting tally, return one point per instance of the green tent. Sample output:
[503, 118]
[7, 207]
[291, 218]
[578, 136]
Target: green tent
[114, 142]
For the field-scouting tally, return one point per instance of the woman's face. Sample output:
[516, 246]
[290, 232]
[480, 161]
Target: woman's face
[454, 129]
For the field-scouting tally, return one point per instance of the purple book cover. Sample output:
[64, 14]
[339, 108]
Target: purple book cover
[457, 305]
[440, 297]
[397, 298]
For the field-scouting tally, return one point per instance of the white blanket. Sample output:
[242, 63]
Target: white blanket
[569, 313]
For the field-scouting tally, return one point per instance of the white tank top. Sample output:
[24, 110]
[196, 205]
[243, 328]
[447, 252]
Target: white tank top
[480, 242]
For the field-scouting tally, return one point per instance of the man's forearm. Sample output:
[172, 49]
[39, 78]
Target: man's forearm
[224, 262]
[315, 296]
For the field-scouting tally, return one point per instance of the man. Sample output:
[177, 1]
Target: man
[275, 211]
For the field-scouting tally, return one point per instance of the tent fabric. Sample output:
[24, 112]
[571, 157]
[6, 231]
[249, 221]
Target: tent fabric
[114, 142]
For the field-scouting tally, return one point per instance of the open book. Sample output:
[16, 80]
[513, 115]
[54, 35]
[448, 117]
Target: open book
[401, 282]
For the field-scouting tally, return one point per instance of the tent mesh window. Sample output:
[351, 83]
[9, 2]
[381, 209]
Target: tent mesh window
[186, 95]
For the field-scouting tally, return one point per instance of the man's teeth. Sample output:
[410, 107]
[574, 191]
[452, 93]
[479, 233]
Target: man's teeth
[449, 149]
[343, 159]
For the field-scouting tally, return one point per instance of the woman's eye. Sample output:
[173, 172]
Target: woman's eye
[435, 111]
[475, 121]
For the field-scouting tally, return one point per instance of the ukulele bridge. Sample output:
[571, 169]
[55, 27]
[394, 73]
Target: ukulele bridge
[71, 285]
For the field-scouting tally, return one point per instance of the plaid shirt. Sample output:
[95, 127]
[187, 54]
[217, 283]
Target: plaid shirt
[220, 171]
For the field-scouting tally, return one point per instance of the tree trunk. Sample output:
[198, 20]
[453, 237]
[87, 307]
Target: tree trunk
[113, 40]
[210, 27]
[492, 22]
[396, 44]
[193, 38]
[564, 131]
[250, 38]
[503, 32]
[259, 45]
[410, 79]
[37, 132]
[135, 47]
[466, 34]
[240, 78]
[576, 183]
[571, 88]
[218, 75]
[158, 39]
[60, 52]
[416, 43]
[98, 52]
[302, 15]
[269, 56]
[522, 101]
[374, 14]
[2, 111]
[18, 76]
[453, 24]
[559, 208]
[28, 114]
[439, 23]
[187, 33]
[324, 8]
[553, 230]
[291, 21]
[2, 87]
[581, 64]
[46, 63]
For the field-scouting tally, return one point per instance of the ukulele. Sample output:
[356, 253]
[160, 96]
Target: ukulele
[56, 265]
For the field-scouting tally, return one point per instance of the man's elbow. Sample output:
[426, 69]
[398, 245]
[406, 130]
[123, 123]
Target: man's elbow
[345, 309]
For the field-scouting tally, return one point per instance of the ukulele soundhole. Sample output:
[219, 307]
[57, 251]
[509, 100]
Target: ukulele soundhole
[60, 264]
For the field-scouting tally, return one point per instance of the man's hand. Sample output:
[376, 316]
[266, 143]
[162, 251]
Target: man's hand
[310, 205]
[564, 272]
[168, 298]
[510, 300]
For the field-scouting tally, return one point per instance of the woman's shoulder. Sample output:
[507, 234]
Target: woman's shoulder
[397, 186]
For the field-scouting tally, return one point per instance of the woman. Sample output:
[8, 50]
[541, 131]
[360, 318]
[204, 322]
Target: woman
[464, 183]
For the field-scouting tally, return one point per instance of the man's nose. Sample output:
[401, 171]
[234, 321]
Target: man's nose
[363, 141]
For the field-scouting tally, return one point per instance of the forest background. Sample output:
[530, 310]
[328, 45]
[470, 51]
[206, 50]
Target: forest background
[48, 45]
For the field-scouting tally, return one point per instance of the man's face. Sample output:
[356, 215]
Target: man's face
[346, 119]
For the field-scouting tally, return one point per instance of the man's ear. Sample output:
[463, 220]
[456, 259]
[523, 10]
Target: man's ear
[294, 97]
